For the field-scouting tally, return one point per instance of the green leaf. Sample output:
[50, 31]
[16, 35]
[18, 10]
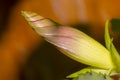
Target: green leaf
[85, 70]
[110, 46]
[89, 69]
[92, 76]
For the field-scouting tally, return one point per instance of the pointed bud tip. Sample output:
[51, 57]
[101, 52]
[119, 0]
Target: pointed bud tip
[23, 12]
[27, 13]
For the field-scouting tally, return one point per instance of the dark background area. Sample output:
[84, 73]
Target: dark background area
[5, 8]
[47, 63]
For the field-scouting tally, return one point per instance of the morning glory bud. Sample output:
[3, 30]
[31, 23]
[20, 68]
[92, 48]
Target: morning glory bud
[72, 42]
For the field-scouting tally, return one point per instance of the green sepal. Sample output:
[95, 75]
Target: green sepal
[110, 46]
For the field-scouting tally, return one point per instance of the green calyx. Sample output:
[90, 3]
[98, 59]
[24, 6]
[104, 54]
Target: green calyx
[110, 46]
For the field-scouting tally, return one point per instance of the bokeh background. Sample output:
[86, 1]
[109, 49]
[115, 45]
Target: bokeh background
[26, 56]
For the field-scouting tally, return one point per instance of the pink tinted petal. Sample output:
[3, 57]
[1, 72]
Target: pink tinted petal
[80, 47]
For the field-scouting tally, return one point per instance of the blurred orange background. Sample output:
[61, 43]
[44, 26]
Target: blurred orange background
[18, 40]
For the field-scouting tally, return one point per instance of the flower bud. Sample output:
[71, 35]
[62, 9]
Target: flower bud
[72, 42]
